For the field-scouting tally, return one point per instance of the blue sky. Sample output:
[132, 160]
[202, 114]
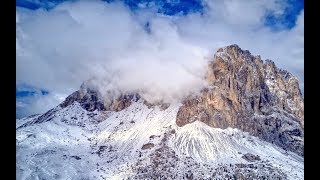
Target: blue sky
[51, 73]
[163, 6]
[174, 7]
[288, 19]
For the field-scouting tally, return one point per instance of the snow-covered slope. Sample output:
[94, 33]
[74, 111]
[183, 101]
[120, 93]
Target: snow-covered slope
[143, 143]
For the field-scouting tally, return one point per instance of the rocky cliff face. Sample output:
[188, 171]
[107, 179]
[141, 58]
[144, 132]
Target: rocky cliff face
[246, 93]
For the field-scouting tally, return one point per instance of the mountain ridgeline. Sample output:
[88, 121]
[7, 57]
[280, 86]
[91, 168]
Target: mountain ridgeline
[247, 123]
[244, 92]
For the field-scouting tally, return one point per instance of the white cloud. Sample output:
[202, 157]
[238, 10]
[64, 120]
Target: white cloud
[244, 13]
[37, 103]
[58, 49]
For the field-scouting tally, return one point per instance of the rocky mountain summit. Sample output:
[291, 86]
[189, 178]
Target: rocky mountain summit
[246, 93]
[247, 123]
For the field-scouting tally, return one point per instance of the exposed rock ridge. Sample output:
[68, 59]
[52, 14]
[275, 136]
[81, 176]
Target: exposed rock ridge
[91, 100]
[246, 93]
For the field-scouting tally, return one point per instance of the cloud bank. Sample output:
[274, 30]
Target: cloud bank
[162, 56]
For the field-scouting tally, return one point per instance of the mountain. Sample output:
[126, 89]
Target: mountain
[248, 123]
[250, 95]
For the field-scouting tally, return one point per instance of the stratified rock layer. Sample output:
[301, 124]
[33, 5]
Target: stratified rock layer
[246, 93]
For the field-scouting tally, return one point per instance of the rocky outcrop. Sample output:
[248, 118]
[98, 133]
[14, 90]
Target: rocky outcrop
[163, 106]
[90, 99]
[246, 93]
[250, 157]
[123, 102]
[147, 146]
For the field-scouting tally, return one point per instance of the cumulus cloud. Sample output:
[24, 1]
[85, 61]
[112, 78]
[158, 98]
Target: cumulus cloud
[164, 57]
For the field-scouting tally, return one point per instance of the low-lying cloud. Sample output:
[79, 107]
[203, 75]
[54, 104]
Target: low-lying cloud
[162, 56]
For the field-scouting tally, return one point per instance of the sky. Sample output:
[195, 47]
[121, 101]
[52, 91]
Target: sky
[159, 48]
